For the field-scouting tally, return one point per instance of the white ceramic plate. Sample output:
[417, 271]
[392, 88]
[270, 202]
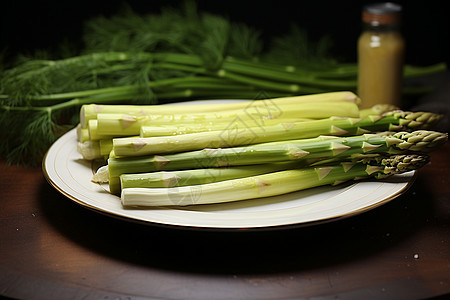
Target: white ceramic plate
[65, 169]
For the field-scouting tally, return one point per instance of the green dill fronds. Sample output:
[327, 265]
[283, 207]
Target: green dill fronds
[213, 48]
[296, 48]
[26, 83]
[245, 42]
[29, 134]
[186, 30]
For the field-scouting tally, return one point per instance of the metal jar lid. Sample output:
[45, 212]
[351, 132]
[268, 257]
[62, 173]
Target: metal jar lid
[381, 13]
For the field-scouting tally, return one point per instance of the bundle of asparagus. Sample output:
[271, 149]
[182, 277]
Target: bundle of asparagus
[197, 154]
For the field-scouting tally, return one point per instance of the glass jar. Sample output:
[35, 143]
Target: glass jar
[380, 56]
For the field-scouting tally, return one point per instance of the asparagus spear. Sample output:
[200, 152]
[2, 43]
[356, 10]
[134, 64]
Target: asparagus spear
[90, 111]
[93, 150]
[199, 176]
[306, 150]
[122, 124]
[409, 120]
[313, 148]
[271, 184]
[171, 130]
[237, 136]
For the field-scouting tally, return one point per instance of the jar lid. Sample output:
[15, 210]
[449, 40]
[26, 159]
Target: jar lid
[381, 13]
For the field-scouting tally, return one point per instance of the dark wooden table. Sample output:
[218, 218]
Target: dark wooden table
[52, 248]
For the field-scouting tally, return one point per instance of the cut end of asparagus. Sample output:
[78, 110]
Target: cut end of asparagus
[101, 176]
[90, 150]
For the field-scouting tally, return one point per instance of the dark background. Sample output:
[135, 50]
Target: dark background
[30, 25]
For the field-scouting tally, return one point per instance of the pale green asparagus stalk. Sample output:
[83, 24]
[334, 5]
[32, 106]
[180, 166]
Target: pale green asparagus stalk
[94, 134]
[90, 132]
[238, 136]
[378, 109]
[106, 147]
[313, 148]
[238, 124]
[271, 184]
[126, 125]
[170, 130]
[199, 176]
[306, 151]
[89, 149]
[90, 111]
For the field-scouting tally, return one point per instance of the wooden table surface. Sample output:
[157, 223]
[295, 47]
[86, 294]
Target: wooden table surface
[53, 248]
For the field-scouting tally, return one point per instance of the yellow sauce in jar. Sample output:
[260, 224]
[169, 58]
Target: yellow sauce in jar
[380, 61]
[380, 67]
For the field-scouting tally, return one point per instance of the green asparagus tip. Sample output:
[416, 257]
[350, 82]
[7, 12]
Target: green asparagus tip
[418, 141]
[395, 164]
[416, 120]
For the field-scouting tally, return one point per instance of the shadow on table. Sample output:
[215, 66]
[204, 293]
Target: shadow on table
[241, 251]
